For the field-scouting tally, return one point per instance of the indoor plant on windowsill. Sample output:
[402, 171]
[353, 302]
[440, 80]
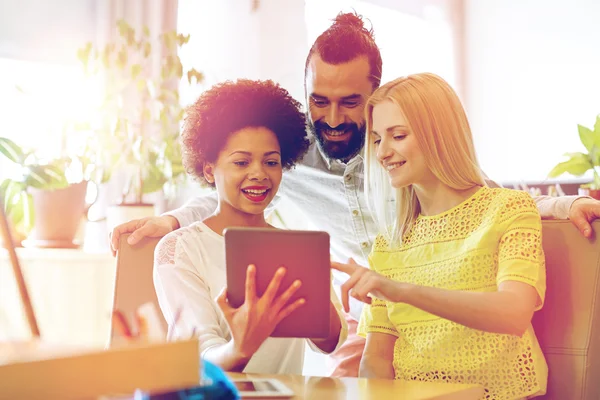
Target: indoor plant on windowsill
[137, 125]
[579, 163]
[40, 202]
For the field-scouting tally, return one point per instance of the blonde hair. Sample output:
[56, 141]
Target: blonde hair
[435, 115]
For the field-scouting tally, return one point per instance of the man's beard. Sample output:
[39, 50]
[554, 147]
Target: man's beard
[343, 151]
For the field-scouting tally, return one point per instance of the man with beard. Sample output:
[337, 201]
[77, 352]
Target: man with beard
[342, 69]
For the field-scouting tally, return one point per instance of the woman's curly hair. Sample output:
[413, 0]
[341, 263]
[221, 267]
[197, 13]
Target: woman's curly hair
[231, 106]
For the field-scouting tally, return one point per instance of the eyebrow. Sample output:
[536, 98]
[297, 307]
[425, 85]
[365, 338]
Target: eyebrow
[354, 96]
[390, 129]
[247, 153]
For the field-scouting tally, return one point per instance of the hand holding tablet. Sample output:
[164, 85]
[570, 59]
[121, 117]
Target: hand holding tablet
[254, 321]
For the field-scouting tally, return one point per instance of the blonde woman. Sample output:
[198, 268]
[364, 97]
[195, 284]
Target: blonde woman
[458, 269]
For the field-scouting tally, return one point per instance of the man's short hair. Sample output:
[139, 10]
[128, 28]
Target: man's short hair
[346, 39]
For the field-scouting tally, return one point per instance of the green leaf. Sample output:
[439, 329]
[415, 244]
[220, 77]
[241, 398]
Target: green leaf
[3, 187]
[596, 133]
[154, 180]
[586, 136]
[122, 58]
[577, 165]
[182, 39]
[136, 69]
[141, 85]
[27, 210]
[56, 177]
[146, 31]
[178, 68]
[12, 200]
[192, 73]
[45, 177]
[11, 151]
[83, 55]
[126, 31]
[147, 49]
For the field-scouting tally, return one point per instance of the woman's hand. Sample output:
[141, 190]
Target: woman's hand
[363, 282]
[254, 321]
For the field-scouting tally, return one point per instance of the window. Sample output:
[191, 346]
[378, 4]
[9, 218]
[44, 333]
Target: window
[414, 40]
[41, 98]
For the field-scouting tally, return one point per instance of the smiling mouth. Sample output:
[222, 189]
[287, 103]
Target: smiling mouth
[256, 195]
[391, 167]
[335, 135]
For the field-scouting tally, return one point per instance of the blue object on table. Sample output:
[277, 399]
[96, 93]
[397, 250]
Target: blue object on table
[217, 386]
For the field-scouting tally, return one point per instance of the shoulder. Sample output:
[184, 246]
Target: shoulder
[183, 234]
[508, 203]
[167, 248]
[381, 243]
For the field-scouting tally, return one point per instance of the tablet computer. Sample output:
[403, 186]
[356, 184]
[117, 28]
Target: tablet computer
[262, 388]
[304, 254]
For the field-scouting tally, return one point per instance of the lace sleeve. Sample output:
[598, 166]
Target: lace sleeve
[181, 284]
[520, 254]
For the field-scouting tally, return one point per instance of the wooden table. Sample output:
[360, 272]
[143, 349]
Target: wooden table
[306, 387]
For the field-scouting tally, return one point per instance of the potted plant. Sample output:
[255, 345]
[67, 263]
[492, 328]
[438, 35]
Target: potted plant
[579, 163]
[137, 124]
[39, 201]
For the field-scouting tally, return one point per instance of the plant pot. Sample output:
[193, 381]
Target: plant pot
[593, 193]
[119, 214]
[57, 216]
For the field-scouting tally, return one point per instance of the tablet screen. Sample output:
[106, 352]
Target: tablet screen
[251, 386]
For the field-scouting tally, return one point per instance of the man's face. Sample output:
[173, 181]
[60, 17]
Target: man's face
[336, 101]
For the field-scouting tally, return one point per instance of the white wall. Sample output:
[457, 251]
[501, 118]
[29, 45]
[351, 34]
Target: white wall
[534, 74]
[46, 31]
[229, 40]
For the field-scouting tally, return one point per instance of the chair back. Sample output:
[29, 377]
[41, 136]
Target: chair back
[568, 326]
[134, 285]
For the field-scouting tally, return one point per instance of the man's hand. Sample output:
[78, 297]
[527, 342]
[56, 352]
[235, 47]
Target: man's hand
[582, 212]
[141, 228]
[363, 282]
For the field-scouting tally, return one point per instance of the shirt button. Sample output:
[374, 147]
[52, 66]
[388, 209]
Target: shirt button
[365, 244]
[356, 213]
[348, 177]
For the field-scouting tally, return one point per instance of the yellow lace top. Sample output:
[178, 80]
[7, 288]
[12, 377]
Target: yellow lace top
[493, 236]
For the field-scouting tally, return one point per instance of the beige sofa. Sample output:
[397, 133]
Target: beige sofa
[568, 327]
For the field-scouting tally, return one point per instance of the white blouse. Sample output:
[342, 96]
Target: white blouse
[189, 273]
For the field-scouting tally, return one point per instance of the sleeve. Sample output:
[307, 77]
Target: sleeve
[344, 329]
[555, 207]
[197, 209]
[520, 253]
[374, 317]
[180, 288]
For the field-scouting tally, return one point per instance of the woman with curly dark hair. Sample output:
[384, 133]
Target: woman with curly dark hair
[237, 137]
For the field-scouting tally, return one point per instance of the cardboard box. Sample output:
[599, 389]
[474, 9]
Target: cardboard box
[38, 371]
